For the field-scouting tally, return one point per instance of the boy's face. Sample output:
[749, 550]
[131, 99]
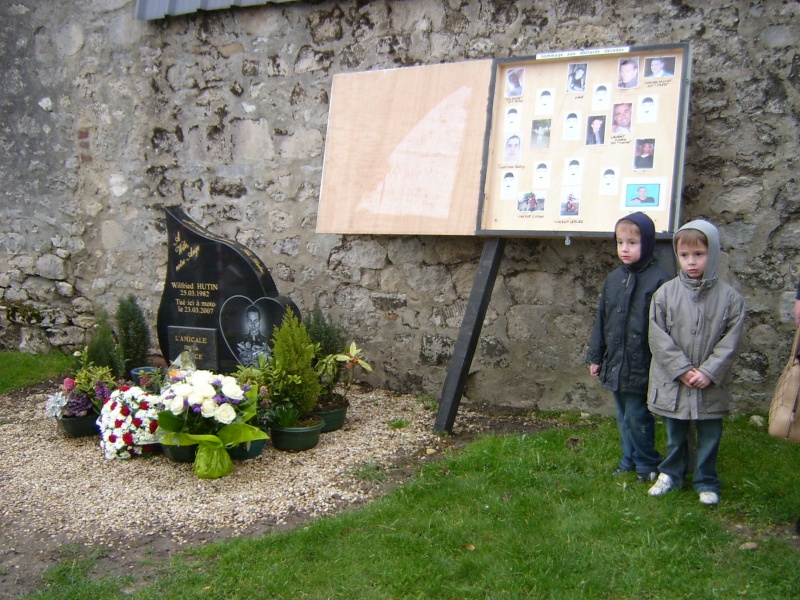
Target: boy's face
[693, 259]
[629, 243]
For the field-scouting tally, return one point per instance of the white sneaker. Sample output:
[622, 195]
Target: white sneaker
[662, 486]
[709, 498]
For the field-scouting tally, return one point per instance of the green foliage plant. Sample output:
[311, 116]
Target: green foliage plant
[134, 336]
[323, 331]
[337, 371]
[291, 379]
[102, 349]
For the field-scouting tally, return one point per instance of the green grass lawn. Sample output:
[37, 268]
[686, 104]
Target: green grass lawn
[514, 516]
[18, 369]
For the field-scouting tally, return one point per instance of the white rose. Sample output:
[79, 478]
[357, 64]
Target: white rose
[231, 389]
[200, 377]
[196, 398]
[208, 408]
[181, 389]
[225, 413]
[175, 405]
[206, 390]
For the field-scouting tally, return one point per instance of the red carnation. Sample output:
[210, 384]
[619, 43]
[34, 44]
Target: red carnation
[153, 426]
[125, 411]
[144, 405]
[112, 438]
[127, 438]
[118, 423]
[137, 422]
[124, 387]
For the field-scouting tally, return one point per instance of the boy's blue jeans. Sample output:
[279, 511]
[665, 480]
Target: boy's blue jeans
[637, 429]
[709, 433]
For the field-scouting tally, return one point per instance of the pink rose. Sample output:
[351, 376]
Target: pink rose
[69, 385]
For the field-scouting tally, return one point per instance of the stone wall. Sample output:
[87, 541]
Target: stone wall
[104, 119]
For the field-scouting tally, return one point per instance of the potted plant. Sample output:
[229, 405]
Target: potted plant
[328, 340]
[337, 372]
[77, 404]
[291, 388]
[209, 413]
[134, 338]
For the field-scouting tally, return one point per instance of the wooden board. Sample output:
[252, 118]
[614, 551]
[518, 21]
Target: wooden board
[404, 150]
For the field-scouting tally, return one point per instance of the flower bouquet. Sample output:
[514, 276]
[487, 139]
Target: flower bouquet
[128, 422]
[210, 410]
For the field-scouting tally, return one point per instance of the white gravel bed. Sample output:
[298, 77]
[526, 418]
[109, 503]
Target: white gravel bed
[54, 487]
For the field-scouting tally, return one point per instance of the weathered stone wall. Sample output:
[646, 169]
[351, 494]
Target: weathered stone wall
[104, 119]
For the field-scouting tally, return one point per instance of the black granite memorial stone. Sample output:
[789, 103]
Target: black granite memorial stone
[219, 299]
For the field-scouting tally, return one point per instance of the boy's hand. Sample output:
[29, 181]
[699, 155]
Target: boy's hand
[695, 379]
[594, 370]
[686, 378]
[700, 380]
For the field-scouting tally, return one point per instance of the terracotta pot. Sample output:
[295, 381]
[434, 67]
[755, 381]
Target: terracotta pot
[79, 426]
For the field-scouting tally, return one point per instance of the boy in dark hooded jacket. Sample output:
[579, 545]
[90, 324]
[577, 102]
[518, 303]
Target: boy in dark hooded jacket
[618, 350]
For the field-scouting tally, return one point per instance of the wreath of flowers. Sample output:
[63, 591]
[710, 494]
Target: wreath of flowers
[128, 422]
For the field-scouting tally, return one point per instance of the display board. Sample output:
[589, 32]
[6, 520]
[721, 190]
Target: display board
[579, 139]
[557, 144]
[404, 150]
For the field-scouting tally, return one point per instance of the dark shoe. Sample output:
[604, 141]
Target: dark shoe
[619, 472]
[647, 477]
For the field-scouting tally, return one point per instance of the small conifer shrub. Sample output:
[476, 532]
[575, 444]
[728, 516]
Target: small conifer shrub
[134, 336]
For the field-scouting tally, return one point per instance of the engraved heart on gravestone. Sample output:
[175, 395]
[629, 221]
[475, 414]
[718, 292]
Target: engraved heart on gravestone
[247, 326]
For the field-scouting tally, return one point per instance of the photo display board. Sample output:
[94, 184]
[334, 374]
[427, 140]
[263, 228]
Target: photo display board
[579, 139]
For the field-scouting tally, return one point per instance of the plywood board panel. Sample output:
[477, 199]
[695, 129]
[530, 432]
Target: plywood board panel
[404, 150]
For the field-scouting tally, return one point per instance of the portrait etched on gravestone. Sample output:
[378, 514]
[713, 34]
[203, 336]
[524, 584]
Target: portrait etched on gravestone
[219, 299]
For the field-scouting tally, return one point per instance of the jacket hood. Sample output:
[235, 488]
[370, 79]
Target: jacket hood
[712, 236]
[647, 229]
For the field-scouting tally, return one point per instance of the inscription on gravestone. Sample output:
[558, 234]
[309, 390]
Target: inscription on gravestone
[219, 299]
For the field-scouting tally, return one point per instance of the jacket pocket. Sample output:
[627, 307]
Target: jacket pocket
[664, 398]
[668, 321]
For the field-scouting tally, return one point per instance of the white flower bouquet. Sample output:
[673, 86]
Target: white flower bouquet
[210, 410]
[128, 422]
